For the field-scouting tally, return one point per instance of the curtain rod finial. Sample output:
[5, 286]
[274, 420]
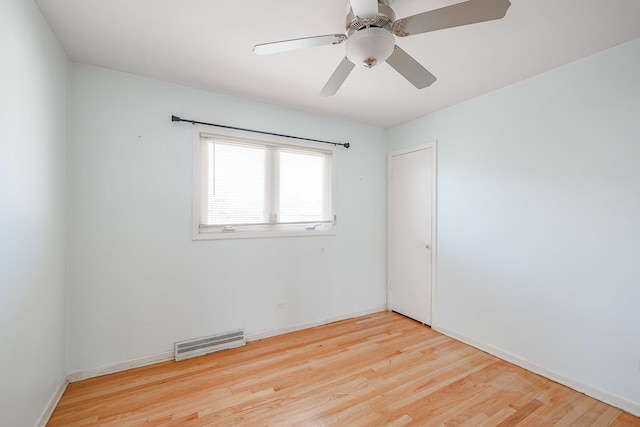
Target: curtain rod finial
[346, 145]
[175, 119]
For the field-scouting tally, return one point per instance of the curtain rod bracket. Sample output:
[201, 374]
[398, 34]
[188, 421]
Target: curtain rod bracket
[178, 119]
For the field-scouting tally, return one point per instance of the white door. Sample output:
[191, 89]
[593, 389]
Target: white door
[411, 228]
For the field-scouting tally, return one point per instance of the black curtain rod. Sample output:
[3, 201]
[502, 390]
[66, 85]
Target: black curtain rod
[178, 119]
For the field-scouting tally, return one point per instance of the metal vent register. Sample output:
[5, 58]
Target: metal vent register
[201, 346]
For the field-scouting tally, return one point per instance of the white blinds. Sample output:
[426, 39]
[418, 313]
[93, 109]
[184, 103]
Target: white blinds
[234, 183]
[253, 184]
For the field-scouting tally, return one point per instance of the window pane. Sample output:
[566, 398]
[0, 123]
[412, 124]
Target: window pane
[302, 187]
[236, 184]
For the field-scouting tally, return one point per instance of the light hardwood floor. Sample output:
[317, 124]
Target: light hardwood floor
[377, 370]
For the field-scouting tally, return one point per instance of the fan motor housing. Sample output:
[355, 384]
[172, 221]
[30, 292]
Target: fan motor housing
[386, 17]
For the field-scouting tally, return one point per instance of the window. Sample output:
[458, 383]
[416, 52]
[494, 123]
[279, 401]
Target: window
[244, 187]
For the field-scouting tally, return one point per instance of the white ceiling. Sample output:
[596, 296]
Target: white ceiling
[208, 44]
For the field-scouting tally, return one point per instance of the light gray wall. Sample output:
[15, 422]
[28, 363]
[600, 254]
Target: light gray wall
[539, 219]
[137, 281]
[33, 88]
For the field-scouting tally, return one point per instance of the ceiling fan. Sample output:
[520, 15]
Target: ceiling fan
[371, 29]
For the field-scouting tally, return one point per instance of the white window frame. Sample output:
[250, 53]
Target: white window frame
[242, 232]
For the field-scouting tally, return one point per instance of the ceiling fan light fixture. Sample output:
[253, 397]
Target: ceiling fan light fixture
[371, 28]
[370, 46]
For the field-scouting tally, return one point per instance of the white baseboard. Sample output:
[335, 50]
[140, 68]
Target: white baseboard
[168, 355]
[120, 366]
[602, 395]
[53, 402]
[254, 336]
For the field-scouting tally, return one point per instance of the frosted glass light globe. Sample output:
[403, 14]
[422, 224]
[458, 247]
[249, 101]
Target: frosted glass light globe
[370, 46]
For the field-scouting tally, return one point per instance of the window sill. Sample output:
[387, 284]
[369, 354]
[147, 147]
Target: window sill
[239, 234]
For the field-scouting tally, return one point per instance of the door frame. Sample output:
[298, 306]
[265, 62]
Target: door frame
[434, 209]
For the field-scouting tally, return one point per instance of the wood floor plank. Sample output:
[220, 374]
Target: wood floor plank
[377, 370]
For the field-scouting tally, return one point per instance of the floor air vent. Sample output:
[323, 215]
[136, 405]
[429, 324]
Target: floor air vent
[201, 346]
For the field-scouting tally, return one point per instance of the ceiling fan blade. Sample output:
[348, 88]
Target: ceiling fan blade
[337, 78]
[410, 69]
[364, 8]
[465, 13]
[286, 45]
